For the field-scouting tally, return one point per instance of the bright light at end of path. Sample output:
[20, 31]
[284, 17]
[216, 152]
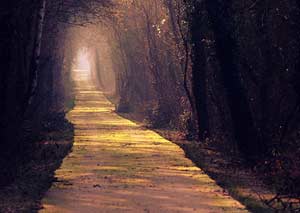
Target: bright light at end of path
[83, 62]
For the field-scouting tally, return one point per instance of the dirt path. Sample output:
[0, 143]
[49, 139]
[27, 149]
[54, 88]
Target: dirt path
[119, 166]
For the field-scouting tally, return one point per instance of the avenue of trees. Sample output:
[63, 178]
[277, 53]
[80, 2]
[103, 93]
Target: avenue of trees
[36, 56]
[224, 72]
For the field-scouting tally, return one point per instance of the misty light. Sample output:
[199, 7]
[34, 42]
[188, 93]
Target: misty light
[83, 62]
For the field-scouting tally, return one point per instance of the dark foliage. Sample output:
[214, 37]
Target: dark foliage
[246, 55]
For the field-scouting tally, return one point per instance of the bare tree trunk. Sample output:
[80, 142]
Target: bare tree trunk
[181, 37]
[222, 26]
[199, 70]
[34, 65]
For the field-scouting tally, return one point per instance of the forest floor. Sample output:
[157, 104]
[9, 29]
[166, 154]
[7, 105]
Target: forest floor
[35, 176]
[117, 165]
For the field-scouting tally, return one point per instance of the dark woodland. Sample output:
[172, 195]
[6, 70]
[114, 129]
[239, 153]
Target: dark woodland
[221, 79]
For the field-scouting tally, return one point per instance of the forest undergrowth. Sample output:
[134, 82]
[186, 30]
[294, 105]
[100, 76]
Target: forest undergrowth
[35, 176]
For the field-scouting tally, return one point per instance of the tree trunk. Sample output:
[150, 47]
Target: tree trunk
[222, 24]
[34, 65]
[199, 70]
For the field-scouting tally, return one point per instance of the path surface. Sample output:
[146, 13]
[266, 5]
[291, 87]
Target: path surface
[118, 166]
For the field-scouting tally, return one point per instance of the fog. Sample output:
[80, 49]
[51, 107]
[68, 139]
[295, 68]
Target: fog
[90, 50]
[83, 60]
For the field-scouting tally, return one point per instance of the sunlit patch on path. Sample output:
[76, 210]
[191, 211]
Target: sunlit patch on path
[119, 166]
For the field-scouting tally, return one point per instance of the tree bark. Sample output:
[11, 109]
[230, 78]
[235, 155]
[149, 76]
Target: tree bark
[219, 13]
[34, 65]
[199, 71]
